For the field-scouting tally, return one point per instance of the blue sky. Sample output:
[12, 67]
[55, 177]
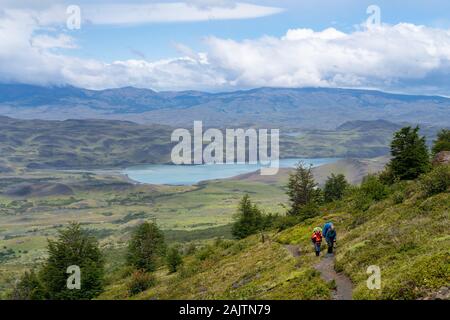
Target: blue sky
[156, 40]
[227, 45]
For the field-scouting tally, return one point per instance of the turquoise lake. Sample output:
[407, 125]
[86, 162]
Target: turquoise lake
[193, 174]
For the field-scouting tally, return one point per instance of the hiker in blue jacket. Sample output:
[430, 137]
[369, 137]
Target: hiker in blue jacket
[329, 234]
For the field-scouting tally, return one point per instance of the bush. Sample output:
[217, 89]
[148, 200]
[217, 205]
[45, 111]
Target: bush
[373, 189]
[205, 253]
[174, 259]
[248, 219]
[140, 281]
[436, 181]
[398, 197]
[410, 157]
[309, 211]
[73, 247]
[28, 288]
[302, 190]
[146, 247]
[335, 187]
[387, 176]
[442, 142]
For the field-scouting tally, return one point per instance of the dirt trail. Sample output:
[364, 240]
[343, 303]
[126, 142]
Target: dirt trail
[344, 286]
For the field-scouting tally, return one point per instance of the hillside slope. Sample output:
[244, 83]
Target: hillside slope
[88, 144]
[406, 235]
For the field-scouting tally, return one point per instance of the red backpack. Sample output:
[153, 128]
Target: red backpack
[317, 237]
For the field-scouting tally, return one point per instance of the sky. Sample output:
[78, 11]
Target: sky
[221, 45]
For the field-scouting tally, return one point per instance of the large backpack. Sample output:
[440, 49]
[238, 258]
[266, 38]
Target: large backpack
[326, 227]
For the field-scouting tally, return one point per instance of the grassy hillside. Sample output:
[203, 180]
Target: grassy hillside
[101, 144]
[406, 235]
[36, 144]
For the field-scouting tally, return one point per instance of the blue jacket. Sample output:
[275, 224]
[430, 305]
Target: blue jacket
[326, 227]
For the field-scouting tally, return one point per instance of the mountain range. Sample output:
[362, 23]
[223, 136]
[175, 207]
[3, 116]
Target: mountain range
[305, 108]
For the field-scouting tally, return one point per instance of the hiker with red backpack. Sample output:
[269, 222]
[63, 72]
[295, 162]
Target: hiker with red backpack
[316, 239]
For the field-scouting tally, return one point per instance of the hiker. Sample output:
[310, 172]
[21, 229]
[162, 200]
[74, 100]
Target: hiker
[317, 240]
[326, 227]
[329, 232]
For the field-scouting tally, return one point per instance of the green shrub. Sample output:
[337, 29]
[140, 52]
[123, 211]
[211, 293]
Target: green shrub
[73, 247]
[398, 197]
[442, 143]
[436, 181]
[335, 187]
[302, 189]
[308, 211]
[174, 259]
[410, 157]
[205, 253]
[248, 219]
[146, 247]
[28, 288]
[372, 188]
[140, 281]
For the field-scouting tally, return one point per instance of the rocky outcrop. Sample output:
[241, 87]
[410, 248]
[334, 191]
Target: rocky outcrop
[442, 157]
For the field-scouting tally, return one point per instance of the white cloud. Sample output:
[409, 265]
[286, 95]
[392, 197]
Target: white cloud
[384, 57]
[173, 12]
[45, 41]
[402, 57]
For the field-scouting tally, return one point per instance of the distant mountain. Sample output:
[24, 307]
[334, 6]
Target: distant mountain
[311, 108]
[364, 125]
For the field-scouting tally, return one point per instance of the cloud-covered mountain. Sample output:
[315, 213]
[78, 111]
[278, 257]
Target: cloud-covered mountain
[320, 108]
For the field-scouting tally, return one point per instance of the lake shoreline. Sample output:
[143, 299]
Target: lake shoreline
[182, 175]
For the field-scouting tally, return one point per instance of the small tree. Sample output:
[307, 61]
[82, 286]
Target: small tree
[146, 247]
[335, 187]
[302, 189]
[174, 259]
[442, 143]
[29, 287]
[248, 219]
[73, 247]
[409, 152]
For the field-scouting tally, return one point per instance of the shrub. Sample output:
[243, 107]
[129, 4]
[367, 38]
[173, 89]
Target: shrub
[146, 247]
[398, 197]
[302, 189]
[436, 181]
[248, 219]
[410, 157]
[205, 253]
[174, 259]
[373, 189]
[308, 211]
[140, 281]
[442, 143]
[28, 288]
[387, 176]
[73, 247]
[335, 187]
